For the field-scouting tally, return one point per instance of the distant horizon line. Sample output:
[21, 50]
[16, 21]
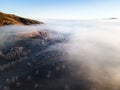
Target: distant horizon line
[112, 18]
[52, 18]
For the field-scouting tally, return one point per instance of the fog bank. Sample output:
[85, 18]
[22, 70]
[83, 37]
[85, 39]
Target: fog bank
[92, 47]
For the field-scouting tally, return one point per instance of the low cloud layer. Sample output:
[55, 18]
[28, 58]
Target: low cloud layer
[93, 48]
[95, 45]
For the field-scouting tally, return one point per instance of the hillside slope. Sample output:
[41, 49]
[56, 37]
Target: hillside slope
[10, 19]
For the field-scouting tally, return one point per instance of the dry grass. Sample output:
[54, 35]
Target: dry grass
[10, 19]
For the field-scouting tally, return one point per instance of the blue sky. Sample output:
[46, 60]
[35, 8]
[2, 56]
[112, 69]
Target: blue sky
[62, 9]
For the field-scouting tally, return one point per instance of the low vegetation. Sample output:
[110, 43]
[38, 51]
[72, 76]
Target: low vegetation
[10, 19]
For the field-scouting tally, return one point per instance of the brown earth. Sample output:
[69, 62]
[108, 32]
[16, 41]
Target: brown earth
[10, 19]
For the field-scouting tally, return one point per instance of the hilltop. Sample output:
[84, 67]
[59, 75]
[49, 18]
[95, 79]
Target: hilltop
[11, 19]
